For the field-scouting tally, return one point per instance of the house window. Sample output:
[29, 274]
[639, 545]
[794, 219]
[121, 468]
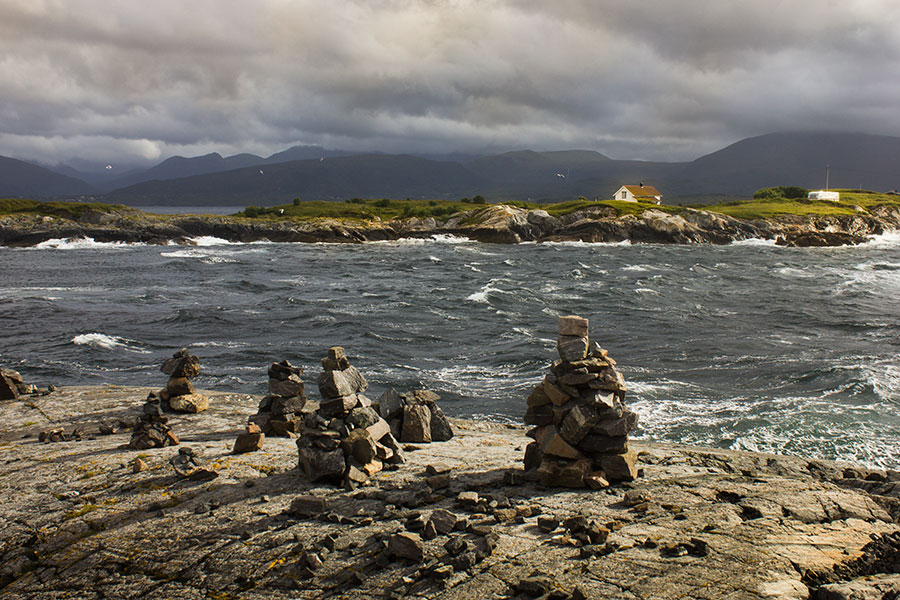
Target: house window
[624, 194]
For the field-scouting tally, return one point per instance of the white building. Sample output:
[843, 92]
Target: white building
[638, 193]
[824, 195]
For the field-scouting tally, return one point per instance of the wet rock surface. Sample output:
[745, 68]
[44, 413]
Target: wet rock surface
[491, 224]
[96, 519]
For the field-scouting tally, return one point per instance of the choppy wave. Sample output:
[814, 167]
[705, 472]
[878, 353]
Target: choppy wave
[82, 243]
[754, 242]
[103, 341]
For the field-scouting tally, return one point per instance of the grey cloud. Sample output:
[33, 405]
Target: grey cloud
[667, 80]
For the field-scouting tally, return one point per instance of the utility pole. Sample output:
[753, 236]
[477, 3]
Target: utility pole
[827, 169]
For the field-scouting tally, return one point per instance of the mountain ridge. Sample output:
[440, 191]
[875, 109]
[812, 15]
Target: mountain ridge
[314, 173]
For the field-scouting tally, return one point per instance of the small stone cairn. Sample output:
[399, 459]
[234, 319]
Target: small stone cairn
[415, 417]
[281, 412]
[151, 429]
[581, 422]
[346, 439]
[180, 395]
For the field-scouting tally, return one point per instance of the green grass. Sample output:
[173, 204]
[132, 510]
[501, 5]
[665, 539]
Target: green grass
[774, 207]
[65, 210]
[361, 209]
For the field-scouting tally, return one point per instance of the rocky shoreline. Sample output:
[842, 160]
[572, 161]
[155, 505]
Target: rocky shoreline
[93, 518]
[493, 224]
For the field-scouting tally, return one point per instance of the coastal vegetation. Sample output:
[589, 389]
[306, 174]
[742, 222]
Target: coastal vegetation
[767, 203]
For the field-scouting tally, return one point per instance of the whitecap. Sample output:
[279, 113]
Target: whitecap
[753, 242]
[887, 239]
[107, 342]
[82, 243]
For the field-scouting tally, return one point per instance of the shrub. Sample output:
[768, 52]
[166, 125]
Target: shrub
[296, 201]
[383, 203]
[781, 191]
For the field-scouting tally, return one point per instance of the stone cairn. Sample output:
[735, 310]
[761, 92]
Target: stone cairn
[151, 429]
[346, 440]
[581, 422]
[282, 411]
[11, 385]
[415, 417]
[180, 395]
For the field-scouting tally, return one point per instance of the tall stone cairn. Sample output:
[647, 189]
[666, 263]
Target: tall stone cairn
[282, 411]
[581, 422]
[346, 440]
[180, 395]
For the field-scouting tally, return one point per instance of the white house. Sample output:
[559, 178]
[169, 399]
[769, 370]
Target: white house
[824, 195]
[638, 193]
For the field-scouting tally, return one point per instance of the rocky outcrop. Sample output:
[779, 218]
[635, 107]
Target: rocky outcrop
[456, 520]
[492, 224]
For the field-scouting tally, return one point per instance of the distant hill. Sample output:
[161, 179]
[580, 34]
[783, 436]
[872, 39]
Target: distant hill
[855, 160]
[22, 179]
[313, 173]
[369, 176]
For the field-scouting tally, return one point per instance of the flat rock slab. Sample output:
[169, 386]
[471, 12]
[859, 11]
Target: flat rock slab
[78, 521]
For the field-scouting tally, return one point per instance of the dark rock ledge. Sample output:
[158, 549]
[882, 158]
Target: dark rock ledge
[94, 519]
[494, 224]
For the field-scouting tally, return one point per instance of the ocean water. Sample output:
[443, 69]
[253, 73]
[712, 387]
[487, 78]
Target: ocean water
[746, 346]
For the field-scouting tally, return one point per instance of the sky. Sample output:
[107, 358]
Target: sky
[126, 82]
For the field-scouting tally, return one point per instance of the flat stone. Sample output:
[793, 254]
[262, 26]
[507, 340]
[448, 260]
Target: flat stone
[333, 384]
[292, 386]
[601, 444]
[281, 407]
[573, 475]
[556, 395]
[189, 403]
[406, 545]
[578, 423]
[616, 426]
[572, 348]
[337, 406]
[421, 397]
[572, 326]
[180, 386]
[540, 415]
[538, 397]
[308, 505]
[553, 444]
[379, 429]
[284, 370]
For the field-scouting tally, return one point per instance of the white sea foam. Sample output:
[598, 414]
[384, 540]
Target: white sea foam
[437, 238]
[107, 342]
[82, 243]
[753, 242]
[886, 239]
[636, 268]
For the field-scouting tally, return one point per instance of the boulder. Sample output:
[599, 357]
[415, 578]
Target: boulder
[333, 384]
[281, 407]
[390, 405]
[322, 464]
[189, 403]
[620, 467]
[361, 418]
[8, 389]
[356, 380]
[416, 424]
[182, 364]
[441, 431]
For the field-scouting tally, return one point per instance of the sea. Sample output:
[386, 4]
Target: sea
[746, 346]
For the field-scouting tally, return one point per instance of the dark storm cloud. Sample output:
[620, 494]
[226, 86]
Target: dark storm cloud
[665, 80]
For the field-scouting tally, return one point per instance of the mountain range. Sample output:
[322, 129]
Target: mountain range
[312, 173]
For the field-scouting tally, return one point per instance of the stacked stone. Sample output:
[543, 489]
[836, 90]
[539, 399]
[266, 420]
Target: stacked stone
[151, 429]
[180, 395]
[582, 424]
[415, 416]
[281, 412]
[346, 440]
